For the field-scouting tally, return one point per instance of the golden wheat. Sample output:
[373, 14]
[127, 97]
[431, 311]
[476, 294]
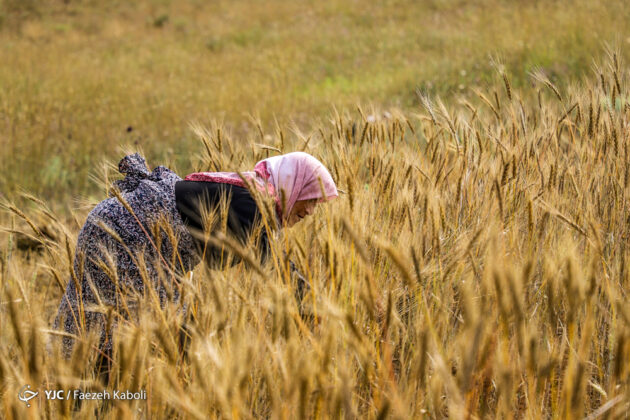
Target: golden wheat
[476, 267]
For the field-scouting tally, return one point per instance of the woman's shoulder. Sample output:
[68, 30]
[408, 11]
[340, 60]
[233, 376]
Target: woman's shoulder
[188, 189]
[192, 193]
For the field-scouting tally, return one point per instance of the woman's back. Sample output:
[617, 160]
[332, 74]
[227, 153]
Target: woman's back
[198, 201]
[111, 240]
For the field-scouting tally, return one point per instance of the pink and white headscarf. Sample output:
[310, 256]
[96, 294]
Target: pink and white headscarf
[298, 174]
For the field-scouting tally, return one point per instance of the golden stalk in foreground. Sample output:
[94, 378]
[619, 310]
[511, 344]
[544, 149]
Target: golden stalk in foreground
[441, 287]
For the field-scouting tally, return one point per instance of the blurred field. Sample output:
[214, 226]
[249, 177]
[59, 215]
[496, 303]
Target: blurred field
[475, 266]
[77, 74]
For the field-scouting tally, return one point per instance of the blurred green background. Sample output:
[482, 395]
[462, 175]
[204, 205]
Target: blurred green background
[81, 79]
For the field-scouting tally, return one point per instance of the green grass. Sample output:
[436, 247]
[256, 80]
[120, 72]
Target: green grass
[75, 76]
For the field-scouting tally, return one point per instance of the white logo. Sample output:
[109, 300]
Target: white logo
[26, 395]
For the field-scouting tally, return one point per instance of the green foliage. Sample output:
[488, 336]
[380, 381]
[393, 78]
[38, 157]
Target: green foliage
[87, 69]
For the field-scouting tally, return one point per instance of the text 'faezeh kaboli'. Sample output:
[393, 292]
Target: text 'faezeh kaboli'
[78, 394]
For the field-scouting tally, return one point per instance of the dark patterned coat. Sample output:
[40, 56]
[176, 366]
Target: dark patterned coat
[113, 244]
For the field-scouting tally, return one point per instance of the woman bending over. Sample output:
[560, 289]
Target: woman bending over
[154, 229]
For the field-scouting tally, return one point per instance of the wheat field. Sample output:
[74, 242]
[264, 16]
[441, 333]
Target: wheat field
[475, 266]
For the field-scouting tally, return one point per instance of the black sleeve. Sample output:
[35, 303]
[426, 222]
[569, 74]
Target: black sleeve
[243, 214]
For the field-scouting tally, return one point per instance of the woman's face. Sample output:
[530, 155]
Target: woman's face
[300, 210]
